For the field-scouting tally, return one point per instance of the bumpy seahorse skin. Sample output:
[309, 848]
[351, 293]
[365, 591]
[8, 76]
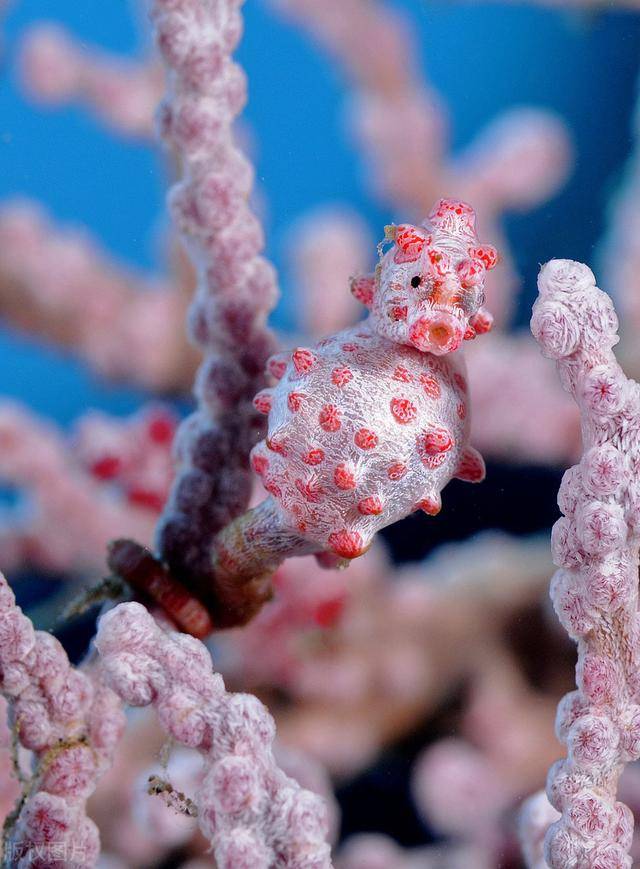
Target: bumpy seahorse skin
[371, 424]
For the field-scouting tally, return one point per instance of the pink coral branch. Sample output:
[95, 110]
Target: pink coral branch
[122, 94]
[253, 814]
[235, 286]
[9, 786]
[58, 283]
[71, 722]
[595, 590]
[458, 790]
[130, 806]
[389, 97]
[113, 481]
[467, 788]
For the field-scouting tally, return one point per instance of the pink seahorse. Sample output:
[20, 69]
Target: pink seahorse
[370, 424]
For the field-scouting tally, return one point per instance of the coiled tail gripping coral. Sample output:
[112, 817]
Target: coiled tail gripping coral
[370, 424]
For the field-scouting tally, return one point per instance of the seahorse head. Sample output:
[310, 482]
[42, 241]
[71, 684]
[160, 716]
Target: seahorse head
[428, 288]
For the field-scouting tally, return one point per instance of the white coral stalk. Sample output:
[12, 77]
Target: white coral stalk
[595, 590]
[255, 816]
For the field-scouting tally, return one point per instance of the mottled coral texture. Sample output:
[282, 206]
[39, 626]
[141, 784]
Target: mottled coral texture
[255, 816]
[595, 590]
[236, 287]
[71, 722]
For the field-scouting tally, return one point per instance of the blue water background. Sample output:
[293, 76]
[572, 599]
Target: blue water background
[482, 58]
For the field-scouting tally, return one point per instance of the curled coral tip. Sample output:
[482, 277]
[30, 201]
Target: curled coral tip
[565, 276]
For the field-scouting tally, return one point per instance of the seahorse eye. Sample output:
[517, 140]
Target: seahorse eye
[416, 281]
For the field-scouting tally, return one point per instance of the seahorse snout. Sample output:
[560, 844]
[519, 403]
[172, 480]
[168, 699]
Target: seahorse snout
[437, 333]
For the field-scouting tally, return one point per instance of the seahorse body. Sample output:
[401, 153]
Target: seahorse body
[370, 424]
[363, 431]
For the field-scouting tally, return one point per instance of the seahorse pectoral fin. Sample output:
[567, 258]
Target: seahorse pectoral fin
[471, 466]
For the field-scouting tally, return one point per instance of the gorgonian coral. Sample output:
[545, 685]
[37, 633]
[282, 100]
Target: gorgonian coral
[71, 722]
[595, 590]
[254, 814]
